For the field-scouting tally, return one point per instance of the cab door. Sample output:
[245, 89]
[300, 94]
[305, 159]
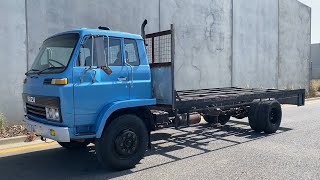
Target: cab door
[139, 73]
[93, 88]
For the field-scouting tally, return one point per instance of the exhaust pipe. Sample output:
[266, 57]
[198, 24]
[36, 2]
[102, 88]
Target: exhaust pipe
[194, 118]
[143, 32]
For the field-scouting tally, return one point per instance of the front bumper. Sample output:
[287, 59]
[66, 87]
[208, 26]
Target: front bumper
[60, 134]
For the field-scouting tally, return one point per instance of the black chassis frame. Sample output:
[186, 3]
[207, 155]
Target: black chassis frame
[217, 100]
[233, 97]
[203, 100]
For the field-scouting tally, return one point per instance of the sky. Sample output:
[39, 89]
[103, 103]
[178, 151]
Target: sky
[315, 24]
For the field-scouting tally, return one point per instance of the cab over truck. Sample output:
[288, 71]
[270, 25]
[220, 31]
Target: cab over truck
[98, 86]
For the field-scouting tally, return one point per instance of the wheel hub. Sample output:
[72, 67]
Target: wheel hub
[273, 116]
[126, 143]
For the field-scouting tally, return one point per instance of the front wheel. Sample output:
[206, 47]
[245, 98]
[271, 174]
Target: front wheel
[123, 143]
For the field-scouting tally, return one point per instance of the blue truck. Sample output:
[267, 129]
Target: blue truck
[114, 88]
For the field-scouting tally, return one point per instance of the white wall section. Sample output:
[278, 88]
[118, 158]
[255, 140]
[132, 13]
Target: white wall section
[255, 43]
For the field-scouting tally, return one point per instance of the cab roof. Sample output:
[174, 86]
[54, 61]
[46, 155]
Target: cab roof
[85, 31]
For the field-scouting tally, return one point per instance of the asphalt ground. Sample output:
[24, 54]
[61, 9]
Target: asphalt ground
[198, 152]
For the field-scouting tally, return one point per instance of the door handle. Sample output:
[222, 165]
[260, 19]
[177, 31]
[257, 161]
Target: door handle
[122, 79]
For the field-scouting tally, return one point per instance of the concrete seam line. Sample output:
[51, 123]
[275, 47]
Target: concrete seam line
[27, 33]
[232, 43]
[278, 58]
[160, 15]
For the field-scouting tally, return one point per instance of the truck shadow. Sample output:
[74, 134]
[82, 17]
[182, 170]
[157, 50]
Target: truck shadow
[168, 146]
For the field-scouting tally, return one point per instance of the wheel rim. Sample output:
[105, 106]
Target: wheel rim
[126, 143]
[274, 116]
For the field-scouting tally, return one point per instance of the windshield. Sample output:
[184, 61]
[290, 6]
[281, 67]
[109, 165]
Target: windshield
[55, 54]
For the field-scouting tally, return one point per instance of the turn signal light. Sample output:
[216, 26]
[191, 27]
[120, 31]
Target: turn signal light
[62, 81]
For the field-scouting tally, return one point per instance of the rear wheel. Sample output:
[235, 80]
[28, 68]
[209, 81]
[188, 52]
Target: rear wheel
[270, 115]
[253, 116]
[123, 143]
[74, 144]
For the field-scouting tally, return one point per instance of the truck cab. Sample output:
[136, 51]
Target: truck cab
[79, 78]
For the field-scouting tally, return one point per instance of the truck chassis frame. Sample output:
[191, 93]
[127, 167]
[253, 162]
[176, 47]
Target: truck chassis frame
[212, 99]
[233, 97]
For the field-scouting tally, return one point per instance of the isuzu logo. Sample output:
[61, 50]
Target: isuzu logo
[31, 99]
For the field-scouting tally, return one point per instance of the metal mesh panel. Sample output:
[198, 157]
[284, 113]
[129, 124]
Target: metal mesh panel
[159, 47]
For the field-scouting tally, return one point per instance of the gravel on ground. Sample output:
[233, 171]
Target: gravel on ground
[12, 131]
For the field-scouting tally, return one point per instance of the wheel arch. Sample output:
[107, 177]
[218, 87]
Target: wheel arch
[115, 109]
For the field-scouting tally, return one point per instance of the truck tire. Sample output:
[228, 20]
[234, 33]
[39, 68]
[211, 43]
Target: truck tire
[123, 143]
[270, 115]
[74, 144]
[222, 119]
[253, 116]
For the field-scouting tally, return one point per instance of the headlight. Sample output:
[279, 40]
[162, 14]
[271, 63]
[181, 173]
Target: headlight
[52, 113]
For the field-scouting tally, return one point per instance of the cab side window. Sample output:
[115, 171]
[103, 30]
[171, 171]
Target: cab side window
[131, 51]
[114, 51]
[85, 58]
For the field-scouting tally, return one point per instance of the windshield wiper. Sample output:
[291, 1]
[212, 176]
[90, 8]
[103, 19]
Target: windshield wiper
[39, 72]
[28, 72]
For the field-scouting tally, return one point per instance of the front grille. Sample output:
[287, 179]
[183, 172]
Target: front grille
[36, 110]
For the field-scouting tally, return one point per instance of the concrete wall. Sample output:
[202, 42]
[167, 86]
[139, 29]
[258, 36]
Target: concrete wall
[202, 41]
[315, 58]
[204, 33]
[48, 17]
[12, 57]
[255, 43]
[294, 44]
[203, 36]
[271, 44]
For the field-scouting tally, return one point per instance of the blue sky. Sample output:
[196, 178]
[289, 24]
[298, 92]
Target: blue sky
[315, 24]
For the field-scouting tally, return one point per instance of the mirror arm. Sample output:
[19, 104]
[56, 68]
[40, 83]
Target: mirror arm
[85, 71]
[94, 76]
[107, 59]
[92, 53]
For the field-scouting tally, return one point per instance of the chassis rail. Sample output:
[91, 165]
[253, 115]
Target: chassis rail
[189, 100]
